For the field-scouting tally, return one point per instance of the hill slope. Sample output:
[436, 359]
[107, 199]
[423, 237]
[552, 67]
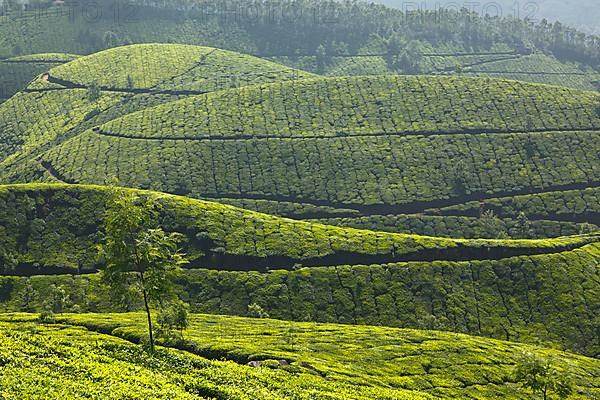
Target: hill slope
[375, 362]
[360, 146]
[58, 104]
[87, 364]
[496, 288]
[218, 236]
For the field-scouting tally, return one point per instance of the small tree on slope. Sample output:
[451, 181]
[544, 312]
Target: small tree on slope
[542, 377]
[137, 253]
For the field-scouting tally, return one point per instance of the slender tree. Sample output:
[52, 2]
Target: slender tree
[137, 253]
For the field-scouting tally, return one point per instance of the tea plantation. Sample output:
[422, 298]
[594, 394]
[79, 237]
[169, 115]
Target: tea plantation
[497, 288]
[64, 362]
[372, 361]
[365, 203]
[366, 152]
[58, 104]
[17, 72]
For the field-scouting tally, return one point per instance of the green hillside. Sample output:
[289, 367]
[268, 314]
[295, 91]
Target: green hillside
[373, 361]
[17, 72]
[366, 106]
[311, 147]
[58, 104]
[311, 142]
[483, 287]
[43, 223]
[63, 362]
[366, 204]
[534, 68]
[539, 68]
[325, 361]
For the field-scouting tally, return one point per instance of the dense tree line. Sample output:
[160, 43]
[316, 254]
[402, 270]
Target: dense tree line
[327, 29]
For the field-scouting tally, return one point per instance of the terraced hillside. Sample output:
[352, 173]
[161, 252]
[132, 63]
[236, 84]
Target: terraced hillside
[322, 362]
[17, 72]
[86, 364]
[364, 167]
[504, 64]
[329, 38]
[59, 103]
[497, 288]
[539, 68]
[360, 147]
[219, 236]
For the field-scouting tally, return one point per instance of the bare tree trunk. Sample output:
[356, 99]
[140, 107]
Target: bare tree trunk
[147, 306]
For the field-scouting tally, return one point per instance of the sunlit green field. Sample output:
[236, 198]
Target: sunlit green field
[322, 361]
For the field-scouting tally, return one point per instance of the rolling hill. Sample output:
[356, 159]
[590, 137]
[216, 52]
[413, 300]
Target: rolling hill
[497, 288]
[413, 198]
[349, 150]
[343, 32]
[305, 360]
[57, 103]
[85, 364]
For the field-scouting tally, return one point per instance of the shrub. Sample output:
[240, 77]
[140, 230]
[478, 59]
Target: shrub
[256, 311]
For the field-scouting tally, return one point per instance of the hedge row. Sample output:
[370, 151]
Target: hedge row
[366, 105]
[569, 205]
[337, 172]
[53, 228]
[459, 226]
[537, 299]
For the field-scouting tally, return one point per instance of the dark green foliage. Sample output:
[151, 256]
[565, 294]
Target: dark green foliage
[172, 319]
[256, 311]
[523, 228]
[491, 226]
[93, 93]
[45, 235]
[575, 205]
[16, 73]
[458, 226]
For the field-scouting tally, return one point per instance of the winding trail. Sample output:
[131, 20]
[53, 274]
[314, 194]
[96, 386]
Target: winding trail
[72, 85]
[476, 131]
